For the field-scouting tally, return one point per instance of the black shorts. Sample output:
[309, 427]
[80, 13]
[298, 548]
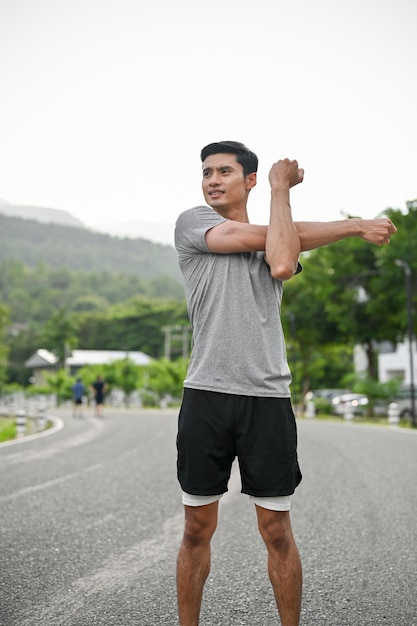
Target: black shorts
[214, 428]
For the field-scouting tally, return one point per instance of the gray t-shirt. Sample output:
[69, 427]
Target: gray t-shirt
[234, 308]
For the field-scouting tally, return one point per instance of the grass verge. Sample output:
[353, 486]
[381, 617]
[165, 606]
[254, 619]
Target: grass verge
[7, 428]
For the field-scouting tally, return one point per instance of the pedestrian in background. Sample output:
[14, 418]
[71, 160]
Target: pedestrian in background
[99, 388]
[78, 392]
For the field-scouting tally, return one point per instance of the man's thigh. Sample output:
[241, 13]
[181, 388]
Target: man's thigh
[205, 442]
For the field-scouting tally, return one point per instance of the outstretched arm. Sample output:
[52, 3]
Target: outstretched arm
[231, 236]
[316, 234]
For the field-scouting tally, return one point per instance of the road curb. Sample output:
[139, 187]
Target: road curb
[58, 424]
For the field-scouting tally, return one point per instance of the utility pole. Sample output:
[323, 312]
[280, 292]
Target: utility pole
[176, 334]
[407, 272]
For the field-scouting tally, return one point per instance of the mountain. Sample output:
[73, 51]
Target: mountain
[35, 243]
[154, 231]
[40, 214]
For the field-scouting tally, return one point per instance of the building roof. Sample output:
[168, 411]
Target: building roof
[42, 358]
[79, 358]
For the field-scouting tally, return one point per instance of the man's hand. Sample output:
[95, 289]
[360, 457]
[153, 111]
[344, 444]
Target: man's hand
[377, 231]
[285, 174]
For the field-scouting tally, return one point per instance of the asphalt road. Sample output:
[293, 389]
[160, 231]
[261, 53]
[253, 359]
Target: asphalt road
[91, 520]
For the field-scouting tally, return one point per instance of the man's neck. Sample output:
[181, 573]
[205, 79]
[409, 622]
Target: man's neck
[237, 214]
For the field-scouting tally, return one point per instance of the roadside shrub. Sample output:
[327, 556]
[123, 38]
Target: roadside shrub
[148, 398]
[323, 406]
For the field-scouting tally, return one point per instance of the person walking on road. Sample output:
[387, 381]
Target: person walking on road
[236, 398]
[78, 392]
[99, 388]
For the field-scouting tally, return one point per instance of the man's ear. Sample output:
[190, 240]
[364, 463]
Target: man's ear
[251, 181]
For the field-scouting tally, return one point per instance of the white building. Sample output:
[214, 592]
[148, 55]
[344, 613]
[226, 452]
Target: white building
[393, 361]
[396, 364]
[43, 361]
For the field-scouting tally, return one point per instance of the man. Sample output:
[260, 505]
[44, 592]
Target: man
[99, 388]
[78, 391]
[236, 400]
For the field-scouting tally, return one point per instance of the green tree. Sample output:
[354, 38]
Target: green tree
[133, 325]
[60, 384]
[4, 321]
[360, 294]
[89, 303]
[309, 332]
[350, 292]
[166, 377]
[127, 376]
[402, 247]
[34, 294]
[60, 334]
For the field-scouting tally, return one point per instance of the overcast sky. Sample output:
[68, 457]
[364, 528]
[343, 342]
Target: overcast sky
[106, 104]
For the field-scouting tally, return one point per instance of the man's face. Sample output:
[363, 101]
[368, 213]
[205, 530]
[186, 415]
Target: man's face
[224, 185]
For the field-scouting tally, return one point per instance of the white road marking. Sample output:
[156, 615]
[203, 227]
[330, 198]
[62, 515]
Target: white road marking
[48, 483]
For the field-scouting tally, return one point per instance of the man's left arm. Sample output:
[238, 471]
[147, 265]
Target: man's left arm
[231, 236]
[317, 234]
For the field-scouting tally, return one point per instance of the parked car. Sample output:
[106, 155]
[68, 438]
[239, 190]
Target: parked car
[404, 400]
[326, 394]
[343, 400]
[356, 403]
[320, 400]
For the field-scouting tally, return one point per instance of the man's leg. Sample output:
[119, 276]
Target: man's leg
[284, 565]
[193, 563]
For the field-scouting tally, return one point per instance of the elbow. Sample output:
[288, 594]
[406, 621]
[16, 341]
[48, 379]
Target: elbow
[283, 271]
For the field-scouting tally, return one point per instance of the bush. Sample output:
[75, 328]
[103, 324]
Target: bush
[148, 398]
[323, 406]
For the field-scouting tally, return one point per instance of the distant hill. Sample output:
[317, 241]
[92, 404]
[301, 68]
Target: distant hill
[154, 231]
[40, 214]
[75, 247]
[134, 229]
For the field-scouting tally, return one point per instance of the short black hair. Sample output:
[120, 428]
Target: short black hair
[247, 159]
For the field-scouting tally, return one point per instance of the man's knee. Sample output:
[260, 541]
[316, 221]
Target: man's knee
[200, 524]
[275, 528]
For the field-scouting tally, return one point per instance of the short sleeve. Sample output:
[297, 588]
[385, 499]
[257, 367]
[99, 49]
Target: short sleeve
[191, 228]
